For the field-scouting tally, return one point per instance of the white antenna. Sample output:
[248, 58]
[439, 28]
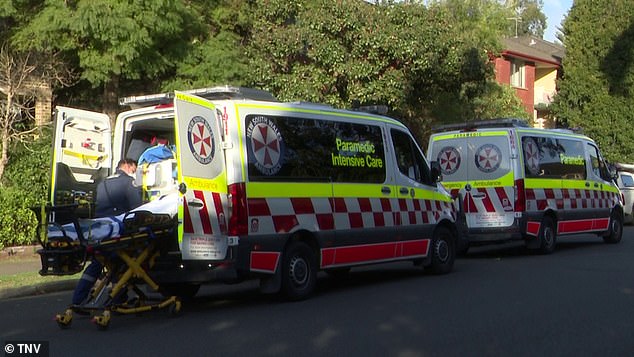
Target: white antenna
[517, 20]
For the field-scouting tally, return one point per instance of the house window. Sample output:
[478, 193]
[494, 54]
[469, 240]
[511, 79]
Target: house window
[517, 73]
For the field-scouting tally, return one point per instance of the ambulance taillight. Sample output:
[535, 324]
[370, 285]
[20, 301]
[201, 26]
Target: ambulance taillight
[238, 223]
[520, 196]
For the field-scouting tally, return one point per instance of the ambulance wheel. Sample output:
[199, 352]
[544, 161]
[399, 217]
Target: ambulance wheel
[299, 271]
[615, 231]
[443, 251]
[547, 236]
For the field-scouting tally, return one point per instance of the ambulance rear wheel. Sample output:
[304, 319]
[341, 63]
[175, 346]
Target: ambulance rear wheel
[443, 251]
[299, 271]
[547, 236]
[615, 231]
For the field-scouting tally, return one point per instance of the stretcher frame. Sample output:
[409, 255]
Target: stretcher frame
[126, 259]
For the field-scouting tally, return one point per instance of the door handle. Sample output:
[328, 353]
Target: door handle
[478, 195]
[587, 184]
[195, 203]
[403, 191]
[385, 190]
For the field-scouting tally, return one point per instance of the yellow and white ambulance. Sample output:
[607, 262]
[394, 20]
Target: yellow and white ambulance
[518, 182]
[268, 190]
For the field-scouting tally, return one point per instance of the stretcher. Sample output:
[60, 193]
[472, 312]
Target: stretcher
[126, 246]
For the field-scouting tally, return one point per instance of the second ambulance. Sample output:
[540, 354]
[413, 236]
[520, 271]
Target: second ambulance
[518, 182]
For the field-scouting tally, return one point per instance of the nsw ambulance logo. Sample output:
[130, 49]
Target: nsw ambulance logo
[488, 158]
[201, 140]
[531, 154]
[266, 145]
[449, 160]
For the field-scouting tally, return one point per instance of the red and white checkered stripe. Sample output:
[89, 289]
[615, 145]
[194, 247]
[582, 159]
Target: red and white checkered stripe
[538, 199]
[282, 215]
[199, 221]
[493, 199]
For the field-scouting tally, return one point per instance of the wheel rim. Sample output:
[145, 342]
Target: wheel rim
[616, 228]
[298, 271]
[442, 250]
[548, 236]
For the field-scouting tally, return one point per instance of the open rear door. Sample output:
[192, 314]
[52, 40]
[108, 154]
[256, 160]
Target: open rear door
[202, 177]
[81, 158]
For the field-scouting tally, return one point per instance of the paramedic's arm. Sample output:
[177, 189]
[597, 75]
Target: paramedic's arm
[133, 194]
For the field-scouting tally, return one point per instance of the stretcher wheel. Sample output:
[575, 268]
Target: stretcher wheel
[65, 319]
[102, 321]
[175, 308]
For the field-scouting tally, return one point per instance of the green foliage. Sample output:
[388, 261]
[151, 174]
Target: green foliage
[595, 92]
[418, 60]
[25, 184]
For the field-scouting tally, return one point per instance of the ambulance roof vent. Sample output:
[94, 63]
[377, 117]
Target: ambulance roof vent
[478, 124]
[211, 93]
[372, 109]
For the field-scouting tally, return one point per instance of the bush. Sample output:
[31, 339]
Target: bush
[25, 184]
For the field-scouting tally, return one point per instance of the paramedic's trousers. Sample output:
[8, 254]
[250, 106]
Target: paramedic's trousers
[87, 281]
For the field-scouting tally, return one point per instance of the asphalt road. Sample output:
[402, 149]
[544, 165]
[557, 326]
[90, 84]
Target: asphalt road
[499, 301]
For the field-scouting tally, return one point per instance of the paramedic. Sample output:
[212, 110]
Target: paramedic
[116, 195]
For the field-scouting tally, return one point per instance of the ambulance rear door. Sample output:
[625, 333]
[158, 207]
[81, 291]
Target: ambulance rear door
[478, 165]
[81, 158]
[202, 178]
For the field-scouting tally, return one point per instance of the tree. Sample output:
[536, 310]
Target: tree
[405, 55]
[529, 18]
[216, 55]
[113, 40]
[22, 76]
[595, 93]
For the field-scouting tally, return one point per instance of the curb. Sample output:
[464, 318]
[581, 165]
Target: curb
[38, 289]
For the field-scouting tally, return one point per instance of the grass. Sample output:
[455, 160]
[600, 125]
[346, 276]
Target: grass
[28, 278]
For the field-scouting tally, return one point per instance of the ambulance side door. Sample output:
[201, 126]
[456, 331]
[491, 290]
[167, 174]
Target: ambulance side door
[202, 178]
[82, 155]
[598, 183]
[415, 190]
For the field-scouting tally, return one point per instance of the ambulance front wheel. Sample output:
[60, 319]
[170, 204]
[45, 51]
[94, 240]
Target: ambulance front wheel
[615, 231]
[547, 236]
[299, 271]
[443, 251]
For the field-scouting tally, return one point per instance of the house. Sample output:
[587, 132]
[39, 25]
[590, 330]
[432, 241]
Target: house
[531, 66]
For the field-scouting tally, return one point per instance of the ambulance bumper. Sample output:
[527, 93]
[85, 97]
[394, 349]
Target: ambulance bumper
[179, 271]
[494, 234]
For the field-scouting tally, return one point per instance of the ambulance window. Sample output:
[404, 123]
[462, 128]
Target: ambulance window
[288, 148]
[598, 166]
[357, 153]
[553, 158]
[409, 159]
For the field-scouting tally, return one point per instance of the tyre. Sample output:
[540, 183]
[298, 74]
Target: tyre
[547, 236]
[443, 251]
[299, 271]
[615, 230]
[182, 290]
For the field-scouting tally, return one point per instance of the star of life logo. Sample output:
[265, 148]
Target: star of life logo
[449, 160]
[201, 140]
[266, 145]
[488, 158]
[531, 156]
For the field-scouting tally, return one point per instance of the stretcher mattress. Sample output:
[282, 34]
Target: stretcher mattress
[98, 229]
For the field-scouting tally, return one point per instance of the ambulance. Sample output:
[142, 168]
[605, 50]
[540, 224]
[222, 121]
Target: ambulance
[518, 182]
[267, 190]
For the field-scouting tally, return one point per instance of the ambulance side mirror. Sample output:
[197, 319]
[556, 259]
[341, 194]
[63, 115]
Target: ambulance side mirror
[436, 175]
[182, 188]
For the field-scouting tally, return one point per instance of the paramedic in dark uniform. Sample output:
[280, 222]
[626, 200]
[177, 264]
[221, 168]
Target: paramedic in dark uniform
[116, 195]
